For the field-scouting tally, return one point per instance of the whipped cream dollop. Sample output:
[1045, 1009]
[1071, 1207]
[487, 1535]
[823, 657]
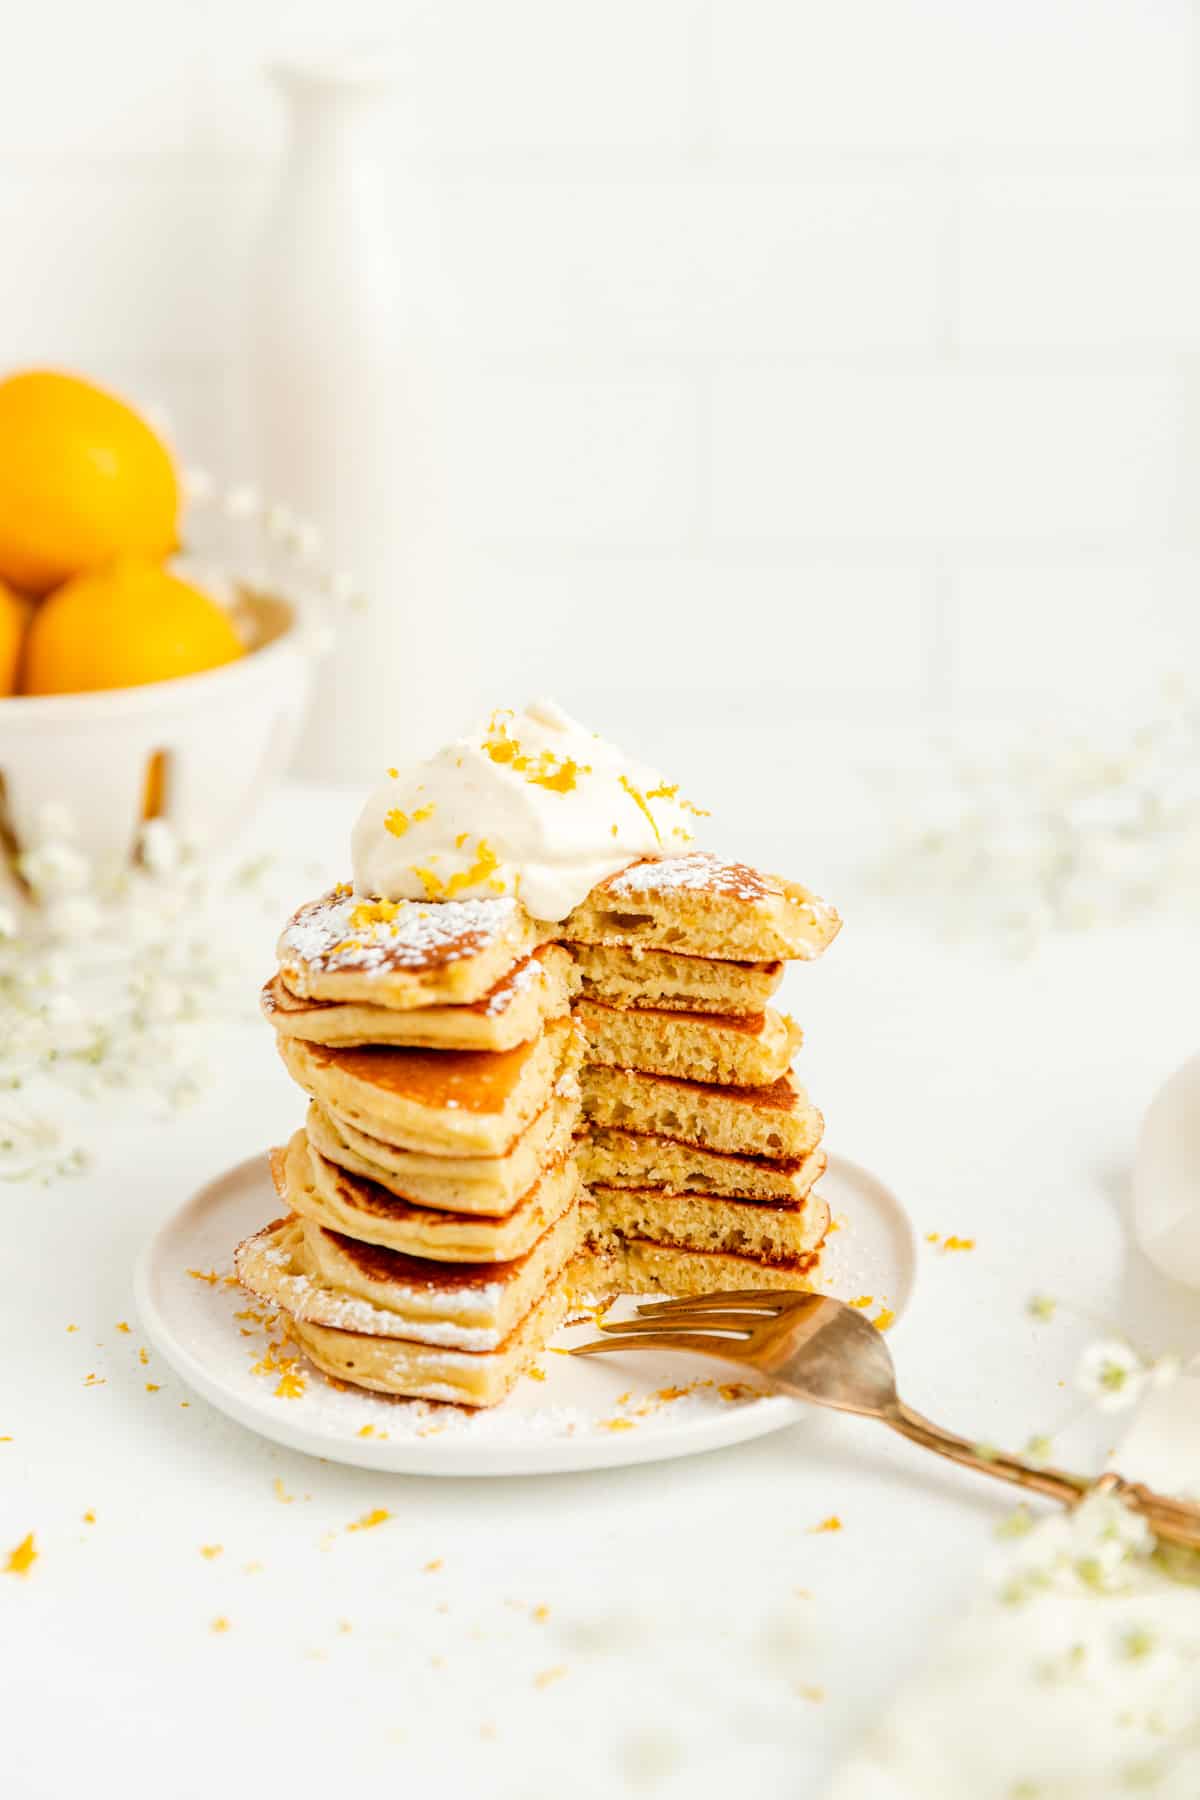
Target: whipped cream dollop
[531, 805]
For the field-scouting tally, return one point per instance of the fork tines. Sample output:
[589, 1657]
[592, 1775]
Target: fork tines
[769, 1300]
[723, 1324]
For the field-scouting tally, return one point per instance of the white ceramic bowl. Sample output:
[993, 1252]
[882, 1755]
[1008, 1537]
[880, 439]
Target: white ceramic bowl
[225, 734]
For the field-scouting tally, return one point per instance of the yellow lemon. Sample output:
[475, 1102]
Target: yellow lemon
[13, 614]
[83, 479]
[124, 626]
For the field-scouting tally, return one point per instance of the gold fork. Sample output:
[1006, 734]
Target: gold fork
[828, 1353]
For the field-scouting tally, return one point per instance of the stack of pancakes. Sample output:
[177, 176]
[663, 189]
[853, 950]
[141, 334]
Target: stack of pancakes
[438, 1224]
[433, 1191]
[701, 1149]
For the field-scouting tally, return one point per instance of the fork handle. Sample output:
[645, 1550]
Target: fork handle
[1174, 1520]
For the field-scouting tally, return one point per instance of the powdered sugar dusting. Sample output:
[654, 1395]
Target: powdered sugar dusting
[515, 983]
[319, 1304]
[698, 872]
[331, 933]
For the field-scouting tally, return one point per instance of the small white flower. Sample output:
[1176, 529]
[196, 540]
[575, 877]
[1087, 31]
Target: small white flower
[198, 486]
[1164, 1370]
[307, 539]
[1112, 1374]
[243, 502]
[1106, 1534]
[279, 522]
[53, 823]
[72, 918]
[158, 417]
[159, 847]
[342, 588]
[54, 869]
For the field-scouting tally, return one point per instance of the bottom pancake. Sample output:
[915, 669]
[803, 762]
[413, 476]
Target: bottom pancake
[327, 1279]
[413, 1371]
[738, 1228]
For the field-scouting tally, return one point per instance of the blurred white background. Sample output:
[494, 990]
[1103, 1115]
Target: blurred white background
[837, 355]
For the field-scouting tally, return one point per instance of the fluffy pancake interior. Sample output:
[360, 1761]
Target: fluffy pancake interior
[769, 1231]
[774, 1120]
[743, 1050]
[640, 1159]
[664, 978]
[636, 1266]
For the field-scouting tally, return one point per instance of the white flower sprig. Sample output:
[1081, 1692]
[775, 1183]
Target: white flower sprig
[1055, 832]
[1114, 1375]
[111, 978]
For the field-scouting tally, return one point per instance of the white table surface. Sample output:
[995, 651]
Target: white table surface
[701, 1638]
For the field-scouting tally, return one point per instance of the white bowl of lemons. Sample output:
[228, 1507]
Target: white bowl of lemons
[129, 688]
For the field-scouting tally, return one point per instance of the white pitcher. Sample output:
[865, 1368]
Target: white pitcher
[348, 410]
[1166, 1177]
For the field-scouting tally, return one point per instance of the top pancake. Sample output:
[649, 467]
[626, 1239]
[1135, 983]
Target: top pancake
[532, 991]
[404, 953]
[705, 906]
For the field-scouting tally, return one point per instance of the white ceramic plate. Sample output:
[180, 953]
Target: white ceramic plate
[584, 1414]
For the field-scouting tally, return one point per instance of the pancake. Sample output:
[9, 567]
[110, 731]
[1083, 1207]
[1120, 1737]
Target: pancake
[327, 1278]
[774, 1120]
[319, 1190]
[532, 991]
[636, 1266]
[413, 1371]
[404, 953]
[474, 1184]
[705, 906]
[446, 1102]
[670, 978]
[745, 1051]
[771, 1230]
[639, 1159]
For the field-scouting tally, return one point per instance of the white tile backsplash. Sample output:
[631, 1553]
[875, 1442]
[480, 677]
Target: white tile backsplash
[1075, 639]
[695, 263]
[1106, 260]
[835, 357]
[125, 260]
[937, 75]
[687, 633]
[565, 459]
[949, 453]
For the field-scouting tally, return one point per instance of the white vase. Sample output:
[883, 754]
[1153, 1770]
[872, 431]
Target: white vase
[348, 407]
[1166, 1177]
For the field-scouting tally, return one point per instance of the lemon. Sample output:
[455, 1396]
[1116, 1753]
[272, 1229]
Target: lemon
[13, 613]
[124, 626]
[83, 479]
